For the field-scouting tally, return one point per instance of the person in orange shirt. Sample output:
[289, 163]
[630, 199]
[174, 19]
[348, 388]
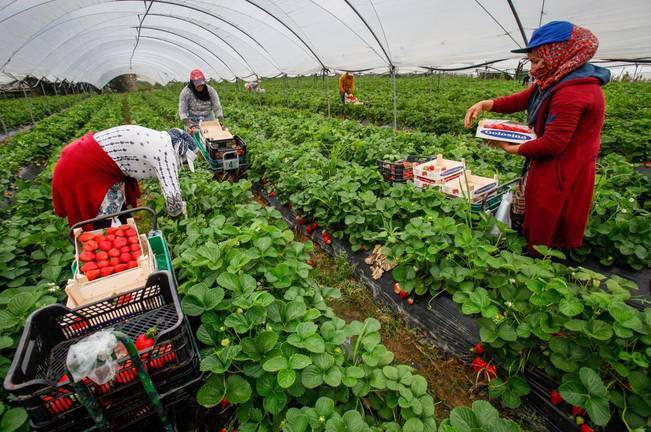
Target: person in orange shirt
[346, 86]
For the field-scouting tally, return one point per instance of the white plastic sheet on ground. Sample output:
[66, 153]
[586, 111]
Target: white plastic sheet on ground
[95, 40]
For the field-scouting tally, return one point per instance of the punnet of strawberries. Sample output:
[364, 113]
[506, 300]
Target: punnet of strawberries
[110, 251]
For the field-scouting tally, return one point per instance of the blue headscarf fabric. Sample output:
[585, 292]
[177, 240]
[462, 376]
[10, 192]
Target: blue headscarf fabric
[182, 141]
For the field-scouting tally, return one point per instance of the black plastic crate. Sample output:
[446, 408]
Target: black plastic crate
[49, 332]
[400, 171]
[137, 410]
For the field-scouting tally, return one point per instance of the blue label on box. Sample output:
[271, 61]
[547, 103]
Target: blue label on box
[506, 134]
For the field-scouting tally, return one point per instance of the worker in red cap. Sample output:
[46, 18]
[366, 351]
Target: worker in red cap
[199, 101]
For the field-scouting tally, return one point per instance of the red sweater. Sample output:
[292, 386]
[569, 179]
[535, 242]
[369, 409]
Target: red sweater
[560, 182]
[81, 178]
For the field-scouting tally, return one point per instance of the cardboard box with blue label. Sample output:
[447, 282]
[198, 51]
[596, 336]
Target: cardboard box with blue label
[505, 130]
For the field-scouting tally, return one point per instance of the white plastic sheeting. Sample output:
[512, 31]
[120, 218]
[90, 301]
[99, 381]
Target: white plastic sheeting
[162, 40]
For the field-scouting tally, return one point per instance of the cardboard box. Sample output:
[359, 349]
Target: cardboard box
[81, 291]
[436, 172]
[469, 185]
[504, 130]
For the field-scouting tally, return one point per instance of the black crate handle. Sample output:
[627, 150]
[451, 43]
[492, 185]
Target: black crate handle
[154, 220]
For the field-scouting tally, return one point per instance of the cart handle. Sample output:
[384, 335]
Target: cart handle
[485, 194]
[154, 220]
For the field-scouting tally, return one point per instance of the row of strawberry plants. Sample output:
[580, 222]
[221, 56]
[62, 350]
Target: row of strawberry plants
[532, 311]
[271, 344]
[36, 144]
[35, 251]
[17, 112]
[619, 229]
[437, 104]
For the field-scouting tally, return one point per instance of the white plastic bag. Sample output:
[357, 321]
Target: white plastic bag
[503, 213]
[92, 357]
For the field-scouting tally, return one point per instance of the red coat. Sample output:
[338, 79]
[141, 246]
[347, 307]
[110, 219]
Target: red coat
[558, 195]
[81, 178]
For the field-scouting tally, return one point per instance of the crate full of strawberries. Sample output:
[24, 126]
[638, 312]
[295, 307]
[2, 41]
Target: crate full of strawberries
[108, 262]
[505, 130]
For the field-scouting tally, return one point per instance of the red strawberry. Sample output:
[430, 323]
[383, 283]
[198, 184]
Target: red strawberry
[107, 271]
[111, 230]
[120, 267]
[86, 256]
[314, 225]
[272, 194]
[58, 405]
[105, 245]
[99, 238]
[120, 233]
[88, 267]
[555, 397]
[90, 246]
[577, 411]
[133, 240]
[125, 249]
[146, 340]
[396, 288]
[102, 389]
[132, 264]
[410, 301]
[223, 430]
[125, 257]
[136, 254]
[300, 220]
[84, 237]
[79, 324]
[130, 232]
[478, 364]
[101, 256]
[110, 237]
[119, 242]
[63, 380]
[403, 295]
[114, 252]
[310, 262]
[127, 373]
[135, 247]
[491, 370]
[164, 355]
[102, 264]
[114, 261]
[224, 403]
[585, 428]
[92, 274]
[478, 349]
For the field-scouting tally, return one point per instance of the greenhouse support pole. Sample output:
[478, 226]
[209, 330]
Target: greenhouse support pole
[393, 90]
[29, 104]
[325, 91]
[47, 105]
[285, 90]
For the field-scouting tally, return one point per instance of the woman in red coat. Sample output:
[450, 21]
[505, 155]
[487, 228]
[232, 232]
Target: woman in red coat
[566, 107]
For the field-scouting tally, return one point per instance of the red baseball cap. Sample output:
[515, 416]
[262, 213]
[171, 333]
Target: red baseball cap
[197, 77]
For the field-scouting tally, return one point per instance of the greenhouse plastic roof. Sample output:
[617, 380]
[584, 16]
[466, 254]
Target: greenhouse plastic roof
[94, 41]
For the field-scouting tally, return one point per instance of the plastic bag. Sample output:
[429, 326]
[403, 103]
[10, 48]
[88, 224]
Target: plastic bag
[93, 357]
[503, 213]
